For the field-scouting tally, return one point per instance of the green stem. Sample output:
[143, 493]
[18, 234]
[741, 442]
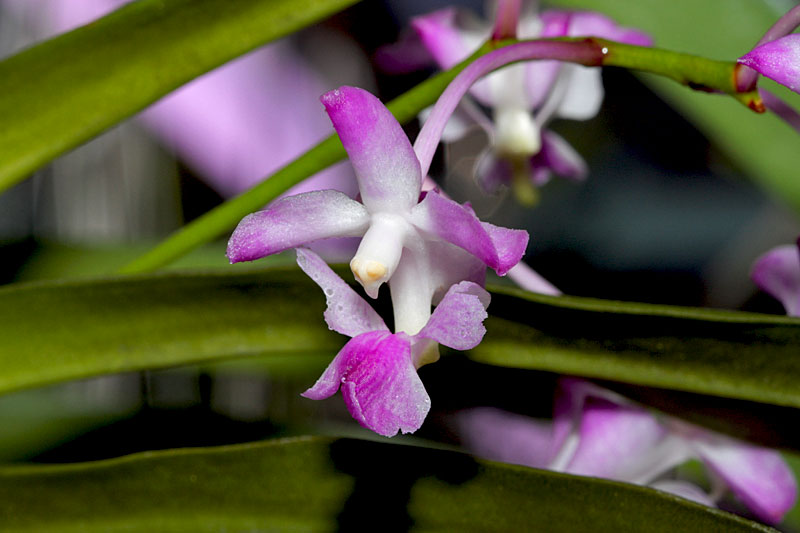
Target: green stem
[695, 72]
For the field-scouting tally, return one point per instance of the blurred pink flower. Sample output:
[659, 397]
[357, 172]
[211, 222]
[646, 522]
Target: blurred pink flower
[596, 432]
[235, 125]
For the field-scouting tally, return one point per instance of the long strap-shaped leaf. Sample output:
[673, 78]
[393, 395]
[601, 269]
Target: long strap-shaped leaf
[314, 484]
[60, 331]
[65, 91]
[722, 353]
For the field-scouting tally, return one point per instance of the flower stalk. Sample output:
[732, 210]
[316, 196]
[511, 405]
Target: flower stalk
[695, 72]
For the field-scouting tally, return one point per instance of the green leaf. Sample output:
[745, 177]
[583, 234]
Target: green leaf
[722, 29]
[57, 331]
[314, 484]
[722, 353]
[61, 93]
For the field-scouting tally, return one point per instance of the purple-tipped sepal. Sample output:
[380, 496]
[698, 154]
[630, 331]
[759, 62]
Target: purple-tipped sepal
[778, 60]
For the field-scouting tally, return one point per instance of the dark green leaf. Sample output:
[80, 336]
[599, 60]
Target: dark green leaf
[312, 484]
[723, 353]
[55, 331]
[65, 91]
[60, 331]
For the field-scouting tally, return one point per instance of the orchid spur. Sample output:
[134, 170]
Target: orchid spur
[596, 432]
[376, 370]
[523, 98]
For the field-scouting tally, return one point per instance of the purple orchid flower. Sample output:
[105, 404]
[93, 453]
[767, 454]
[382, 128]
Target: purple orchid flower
[523, 98]
[778, 60]
[777, 273]
[596, 432]
[420, 244]
[377, 369]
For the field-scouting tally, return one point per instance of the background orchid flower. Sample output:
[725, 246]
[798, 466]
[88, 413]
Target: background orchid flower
[421, 245]
[377, 369]
[596, 432]
[524, 98]
[777, 273]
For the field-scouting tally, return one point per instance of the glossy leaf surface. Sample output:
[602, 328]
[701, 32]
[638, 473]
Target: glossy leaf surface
[315, 484]
[57, 95]
[58, 331]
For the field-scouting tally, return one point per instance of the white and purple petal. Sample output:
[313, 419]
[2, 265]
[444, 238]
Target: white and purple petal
[346, 312]
[450, 36]
[759, 477]
[499, 248]
[583, 92]
[777, 272]
[492, 172]
[593, 24]
[507, 437]
[623, 442]
[379, 383]
[457, 321]
[778, 60]
[559, 157]
[385, 164]
[295, 221]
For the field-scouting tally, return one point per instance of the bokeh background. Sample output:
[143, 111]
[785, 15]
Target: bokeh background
[685, 191]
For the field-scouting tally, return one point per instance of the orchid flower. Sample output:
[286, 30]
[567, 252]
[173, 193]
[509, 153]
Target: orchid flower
[523, 98]
[420, 244]
[777, 272]
[377, 369]
[596, 432]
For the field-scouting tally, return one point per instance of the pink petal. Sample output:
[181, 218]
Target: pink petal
[778, 60]
[379, 383]
[347, 312]
[777, 272]
[615, 440]
[499, 248]
[506, 437]
[555, 23]
[559, 157]
[457, 321]
[506, 19]
[592, 24]
[294, 221]
[759, 477]
[493, 172]
[450, 41]
[407, 55]
[441, 37]
[386, 166]
[539, 79]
